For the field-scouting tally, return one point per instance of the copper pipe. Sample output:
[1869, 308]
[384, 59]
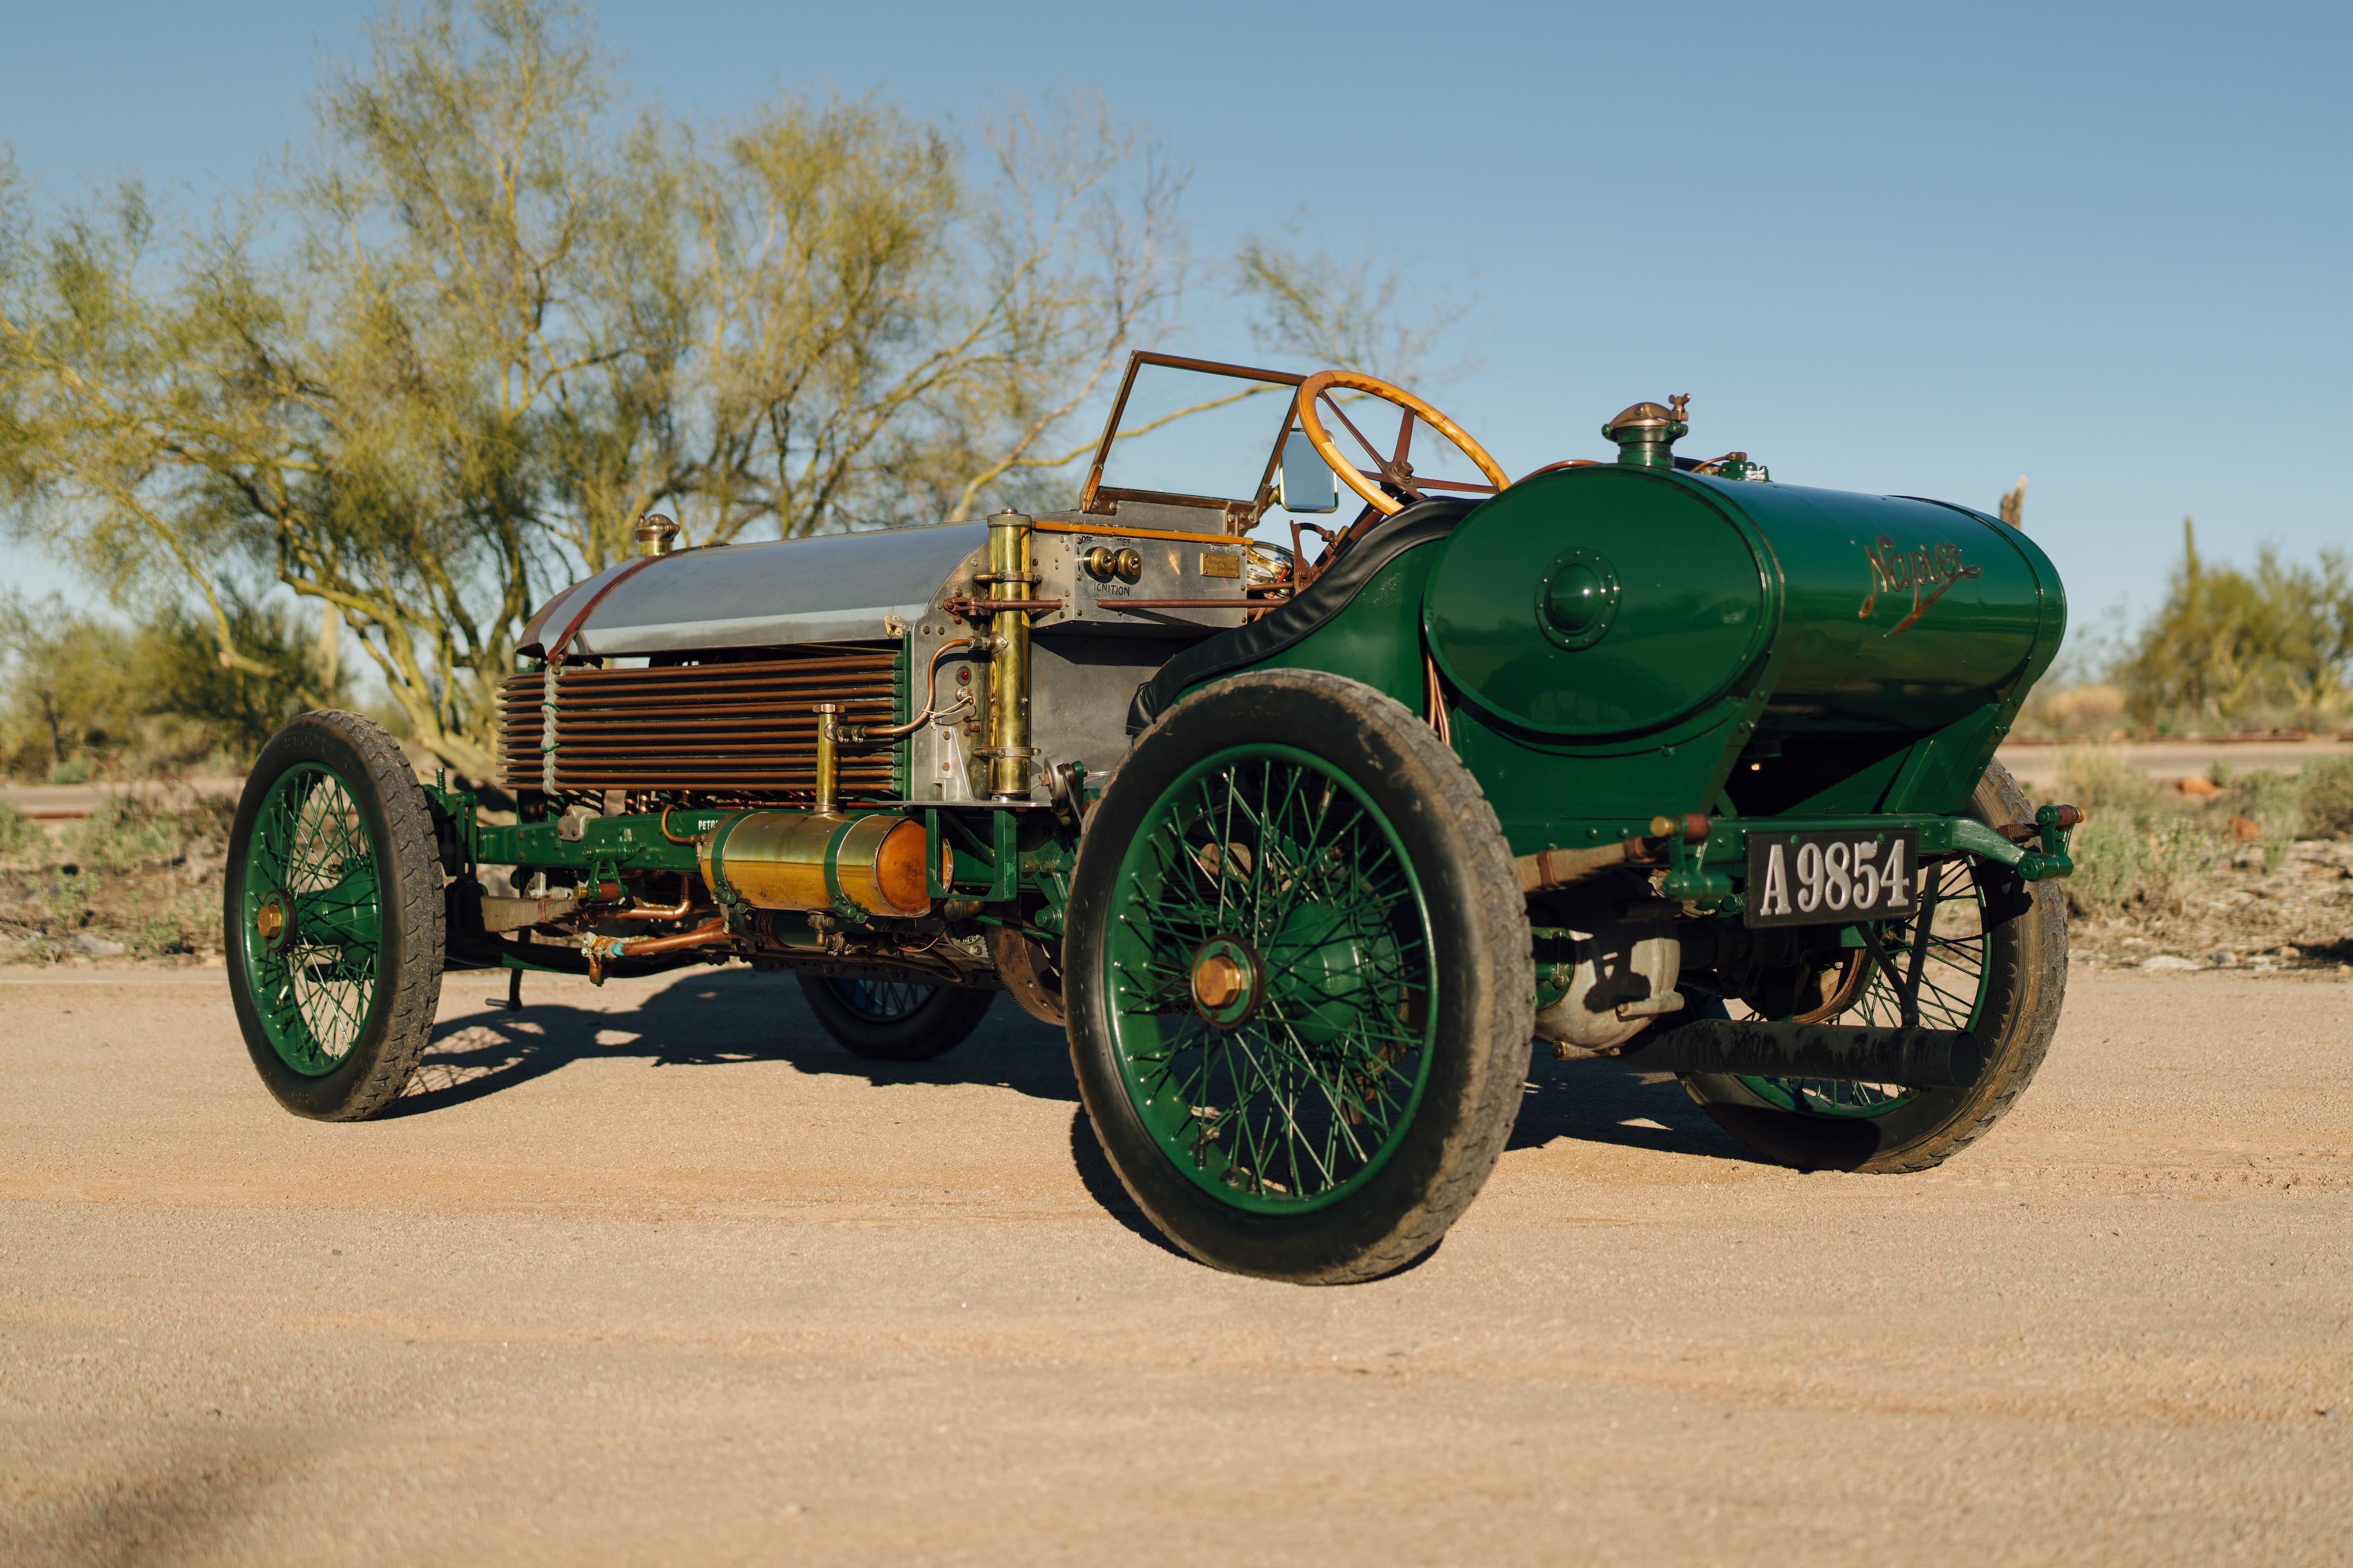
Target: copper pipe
[1436, 693]
[931, 698]
[1182, 604]
[710, 930]
[641, 911]
[704, 936]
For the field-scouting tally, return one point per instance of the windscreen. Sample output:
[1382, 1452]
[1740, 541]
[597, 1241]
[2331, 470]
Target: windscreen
[1195, 433]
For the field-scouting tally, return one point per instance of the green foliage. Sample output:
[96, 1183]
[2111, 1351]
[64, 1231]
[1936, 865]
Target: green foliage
[2144, 844]
[69, 689]
[2230, 647]
[239, 707]
[80, 697]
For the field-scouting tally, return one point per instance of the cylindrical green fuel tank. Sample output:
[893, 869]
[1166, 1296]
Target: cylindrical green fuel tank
[1611, 602]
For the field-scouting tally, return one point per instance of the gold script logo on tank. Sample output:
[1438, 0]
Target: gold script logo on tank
[1929, 571]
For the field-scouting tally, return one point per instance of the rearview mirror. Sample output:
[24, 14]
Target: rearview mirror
[1306, 481]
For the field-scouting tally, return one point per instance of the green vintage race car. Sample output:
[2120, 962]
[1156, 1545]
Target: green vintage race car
[1303, 837]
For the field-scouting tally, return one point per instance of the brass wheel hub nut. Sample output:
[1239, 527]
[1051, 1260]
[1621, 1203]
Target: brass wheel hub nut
[1225, 981]
[273, 923]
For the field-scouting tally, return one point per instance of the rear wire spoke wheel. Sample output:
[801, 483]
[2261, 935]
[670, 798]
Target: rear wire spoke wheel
[1996, 965]
[894, 1020]
[1953, 983]
[334, 914]
[1296, 979]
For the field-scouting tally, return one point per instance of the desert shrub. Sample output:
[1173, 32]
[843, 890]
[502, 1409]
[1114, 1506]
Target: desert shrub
[2274, 801]
[2328, 797]
[125, 832]
[197, 914]
[2124, 867]
[156, 935]
[2111, 789]
[19, 834]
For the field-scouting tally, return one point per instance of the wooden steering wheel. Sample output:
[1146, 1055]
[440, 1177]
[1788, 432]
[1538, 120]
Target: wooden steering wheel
[1392, 470]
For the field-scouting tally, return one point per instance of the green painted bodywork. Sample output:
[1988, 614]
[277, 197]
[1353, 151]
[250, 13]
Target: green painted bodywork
[1760, 655]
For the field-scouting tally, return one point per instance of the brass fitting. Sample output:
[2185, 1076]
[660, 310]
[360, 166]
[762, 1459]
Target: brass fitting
[656, 534]
[829, 764]
[1646, 434]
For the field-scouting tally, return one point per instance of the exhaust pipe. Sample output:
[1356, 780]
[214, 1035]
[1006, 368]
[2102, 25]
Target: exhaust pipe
[1917, 1058]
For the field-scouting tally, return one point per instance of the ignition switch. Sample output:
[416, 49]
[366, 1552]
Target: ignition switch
[1102, 564]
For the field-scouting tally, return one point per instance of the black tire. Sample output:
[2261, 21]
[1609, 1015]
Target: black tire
[2023, 927]
[1435, 1147]
[335, 1024]
[894, 1020]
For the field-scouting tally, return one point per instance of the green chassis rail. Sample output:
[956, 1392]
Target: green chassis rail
[1005, 857]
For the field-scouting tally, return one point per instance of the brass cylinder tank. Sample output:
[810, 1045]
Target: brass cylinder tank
[795, 860]
[1009, 669]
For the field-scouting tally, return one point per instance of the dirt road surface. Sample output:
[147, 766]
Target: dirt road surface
[657, 1273]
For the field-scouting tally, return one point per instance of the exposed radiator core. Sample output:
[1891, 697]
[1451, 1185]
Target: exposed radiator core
[724, 729]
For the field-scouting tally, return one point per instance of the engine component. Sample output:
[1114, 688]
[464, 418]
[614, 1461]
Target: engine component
[794, 860]
[1617, 975]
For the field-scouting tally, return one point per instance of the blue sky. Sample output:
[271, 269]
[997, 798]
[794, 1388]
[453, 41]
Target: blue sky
[1904, 249]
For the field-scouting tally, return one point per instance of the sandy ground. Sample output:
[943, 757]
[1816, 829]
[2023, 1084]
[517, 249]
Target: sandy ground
[657, 1273]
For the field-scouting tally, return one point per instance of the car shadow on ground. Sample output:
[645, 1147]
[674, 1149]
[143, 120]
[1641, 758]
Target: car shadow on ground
[1595, 1101]
[704, 1019]
[725, 1018]
[719, 1019]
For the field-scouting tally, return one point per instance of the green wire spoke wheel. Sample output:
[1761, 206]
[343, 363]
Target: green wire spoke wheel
[1296, 979]
[333, 917]
[894, 1020]
[1272, 982]
[1996, 964]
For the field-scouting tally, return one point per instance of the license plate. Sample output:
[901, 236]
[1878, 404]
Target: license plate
[1833, 878]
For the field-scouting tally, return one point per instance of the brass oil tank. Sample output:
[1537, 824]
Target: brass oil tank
[799, 860]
